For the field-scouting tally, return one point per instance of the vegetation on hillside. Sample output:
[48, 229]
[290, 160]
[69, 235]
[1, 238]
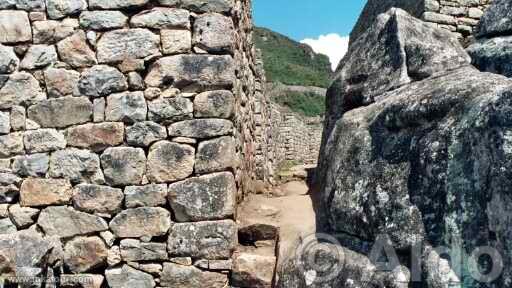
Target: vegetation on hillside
[306, 104]
[290, 62]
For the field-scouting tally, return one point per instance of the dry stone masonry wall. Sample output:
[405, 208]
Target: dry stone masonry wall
[126, 134]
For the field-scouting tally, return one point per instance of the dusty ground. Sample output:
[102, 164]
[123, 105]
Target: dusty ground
[292, 212]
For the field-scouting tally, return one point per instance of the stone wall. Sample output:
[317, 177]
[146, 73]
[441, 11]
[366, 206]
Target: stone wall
[458, 16]
[126, 133]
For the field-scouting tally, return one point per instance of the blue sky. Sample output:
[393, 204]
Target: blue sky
[300, 19]
[320, 23]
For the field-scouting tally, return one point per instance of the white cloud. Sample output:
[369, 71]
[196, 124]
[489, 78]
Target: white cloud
[333, 45]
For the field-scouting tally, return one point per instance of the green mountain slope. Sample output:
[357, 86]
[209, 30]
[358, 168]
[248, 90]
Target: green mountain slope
[291, 62]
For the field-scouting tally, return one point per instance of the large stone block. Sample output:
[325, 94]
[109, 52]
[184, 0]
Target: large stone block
[214, 32]
[61, 112]
[216, 155]
[209, 197]
[497, 19]
[135, 250]
[43, 192]
[151, 195]
[129, 107]
[34, 165]
[83, 254]
[176, 41]
[214, 104]
[123, 165]
[43, 140]
[175, 275]
[208, 240]
[8, 60]
[97, 199]
[61, 8]
[205, 6]
[102, 20]
[51, 31]
[55, 221]
[116, 4]
[143, 134]
[96, 137]
[101, 80]
[183, 70]
[168, 162]
[141, 222]
[201, 128]
[14, 27]
[169, 110]
[61, 82]
[79, 166]
[127, 276]
[162, 18]
[75, 51]
[39, 56]
[20, 88]
[119, 45]
[251, 270]
[23, 217]
[11, 144]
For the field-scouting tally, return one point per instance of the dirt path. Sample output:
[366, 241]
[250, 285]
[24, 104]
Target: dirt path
[293, 213]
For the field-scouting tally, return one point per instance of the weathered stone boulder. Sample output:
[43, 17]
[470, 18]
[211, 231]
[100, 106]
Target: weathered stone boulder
[404, 50]
[216, 155]
[102, 20]
[61, 8]
[149, 195]
[75, 51]
[143, 134]
[23, 217]
[96, 137]
[116, 4]
[214, 104]
[44, 192]
[209, 197]
[127, 276]
[97, 199]
[51, 31]
[54, 221]
[20, 88]
[14, 26]
[141, 222]
[101, 80]
[201, 6]
[39, 56]
[162, 18]
[135, 250]
[79, 166]
[175, 275]
[129, 107]
[423, 162]
[8, 60]
[61, 82]
[82, 254]
[168, 162]
[497, 20]
[251, 270]
[208, 240]
[169, 110]
[493, 51]
[214, 32]
[201, 128]
[123, 165]
[61, 112]
[43, 140]
[33, 165]
[183, 70]
[118, 45]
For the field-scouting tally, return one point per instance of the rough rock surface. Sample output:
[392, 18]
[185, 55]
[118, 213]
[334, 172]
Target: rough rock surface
[123, 165]
[118, 45]
[61, 112]
[425, 161]
[14, 26]
[168, 162]
[215, 155]
[214, 104]
[405, 50]
[209, 197]
[201, 128]
[175, 275]
[76, 165]
[208, 240]
[20, 88]
[497, 19]
[85, 253]
[143, 134]
[141, 222]
[169, 110]
[149, 195]
[44, 192]
[101, 80]
[214, 32]
[55, 222]
[127, 276]
[217, 71]
[162, 18]
[96, 137]
[97, 199]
